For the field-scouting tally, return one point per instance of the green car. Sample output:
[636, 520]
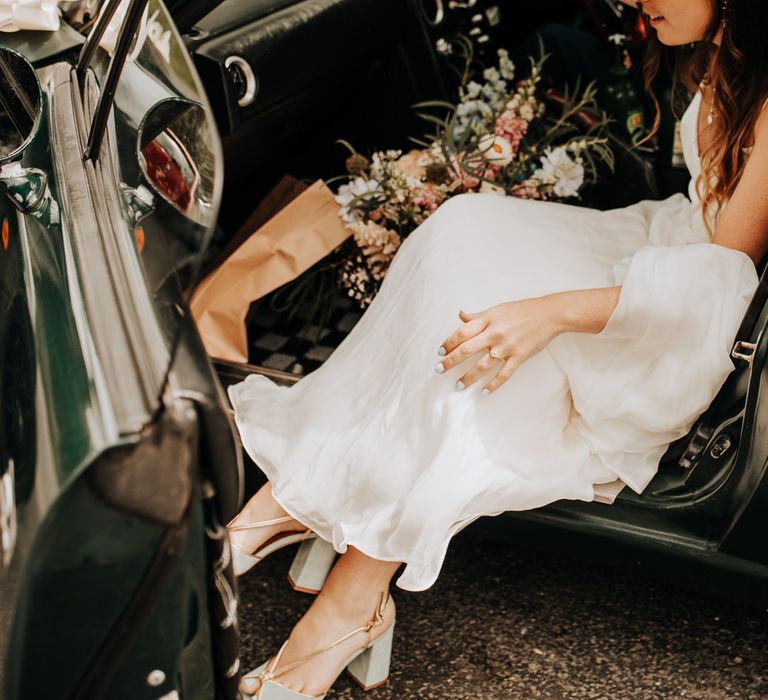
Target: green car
[119, 463]
[120, 467]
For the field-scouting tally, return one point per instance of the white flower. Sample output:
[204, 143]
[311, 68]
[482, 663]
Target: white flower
[495, 149]
[473, 89]
[443, 47]
[560, 170]
[527, 112]
[354, 188]
[506, 67]
[494, 92]
[490, 187]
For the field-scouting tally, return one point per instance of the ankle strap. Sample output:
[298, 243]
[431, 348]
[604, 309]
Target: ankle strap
[271, 672]
[260, 523]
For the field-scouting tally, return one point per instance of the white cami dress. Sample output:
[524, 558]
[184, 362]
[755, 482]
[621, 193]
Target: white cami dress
[376, 450]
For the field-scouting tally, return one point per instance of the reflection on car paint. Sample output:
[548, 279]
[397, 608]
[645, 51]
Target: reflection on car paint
[8, 521]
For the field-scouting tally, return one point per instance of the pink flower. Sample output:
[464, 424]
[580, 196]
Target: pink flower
[463, 180]
[492, 172]
[428, 198]
[527, 189]
[511, 127]
[470, 182]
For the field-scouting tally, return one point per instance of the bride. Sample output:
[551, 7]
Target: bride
[519, 352]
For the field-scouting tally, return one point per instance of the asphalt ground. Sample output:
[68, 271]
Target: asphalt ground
[508, 623]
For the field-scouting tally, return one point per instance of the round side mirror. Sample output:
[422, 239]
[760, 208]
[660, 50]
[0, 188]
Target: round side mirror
[20, 104]
[176, 157]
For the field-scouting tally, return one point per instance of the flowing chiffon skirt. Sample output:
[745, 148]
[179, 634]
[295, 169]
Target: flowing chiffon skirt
[376, 450]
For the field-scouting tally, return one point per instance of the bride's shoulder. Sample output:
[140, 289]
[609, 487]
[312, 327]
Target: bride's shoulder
[757, 151]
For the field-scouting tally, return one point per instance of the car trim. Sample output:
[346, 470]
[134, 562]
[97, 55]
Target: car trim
[124, 330]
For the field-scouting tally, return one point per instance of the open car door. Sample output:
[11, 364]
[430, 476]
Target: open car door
[118, 464]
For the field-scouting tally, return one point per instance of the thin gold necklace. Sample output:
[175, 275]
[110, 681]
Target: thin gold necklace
[711, 116]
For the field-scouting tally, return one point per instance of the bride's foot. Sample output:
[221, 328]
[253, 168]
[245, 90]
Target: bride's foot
[261, 507]
[330, 618]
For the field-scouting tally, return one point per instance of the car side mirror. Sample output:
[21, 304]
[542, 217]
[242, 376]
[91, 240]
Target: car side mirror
[20, 110]
[20, 104]
[177, 159]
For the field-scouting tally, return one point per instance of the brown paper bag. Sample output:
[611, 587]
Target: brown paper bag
[293, 240]
[282, 194]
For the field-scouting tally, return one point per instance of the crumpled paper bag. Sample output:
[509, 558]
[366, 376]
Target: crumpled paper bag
[29, 14]
[298, 236]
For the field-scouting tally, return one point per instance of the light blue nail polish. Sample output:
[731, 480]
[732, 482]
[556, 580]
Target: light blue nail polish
[441, 351]
[485, 392]
[459, 385]
[439, 368]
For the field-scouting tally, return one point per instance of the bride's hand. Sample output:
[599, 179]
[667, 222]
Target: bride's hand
[507, 334]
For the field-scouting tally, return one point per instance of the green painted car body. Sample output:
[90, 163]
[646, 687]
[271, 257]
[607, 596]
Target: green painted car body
[115, 581]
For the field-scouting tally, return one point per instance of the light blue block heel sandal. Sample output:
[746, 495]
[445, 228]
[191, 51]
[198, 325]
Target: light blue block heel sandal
[371, 668]
[369, 665]
[311, 565]
[243, 562]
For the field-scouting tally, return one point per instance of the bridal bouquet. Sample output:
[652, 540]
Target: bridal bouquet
[501, 137]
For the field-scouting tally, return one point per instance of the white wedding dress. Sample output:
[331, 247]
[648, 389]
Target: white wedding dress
[376, 450]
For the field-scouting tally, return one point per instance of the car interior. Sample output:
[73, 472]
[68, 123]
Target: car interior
[288, 78]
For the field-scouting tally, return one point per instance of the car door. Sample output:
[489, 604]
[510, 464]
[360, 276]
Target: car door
[118, 463]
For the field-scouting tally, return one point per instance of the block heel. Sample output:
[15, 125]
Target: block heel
[311, 565]
[371, 668]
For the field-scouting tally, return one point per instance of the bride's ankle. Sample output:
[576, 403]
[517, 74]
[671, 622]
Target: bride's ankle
[263, 506]
[358, 605]
[261, 518]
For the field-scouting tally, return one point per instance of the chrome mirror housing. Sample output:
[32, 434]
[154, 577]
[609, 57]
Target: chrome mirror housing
[177, 159]
[20, 110]
[20, 104]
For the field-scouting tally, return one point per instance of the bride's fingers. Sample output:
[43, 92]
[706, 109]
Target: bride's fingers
[506, 371]
[464, 316]
[482, 366]
[463, 351]
[469, 330]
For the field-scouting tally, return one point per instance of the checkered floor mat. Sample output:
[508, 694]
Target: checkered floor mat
[295, 345]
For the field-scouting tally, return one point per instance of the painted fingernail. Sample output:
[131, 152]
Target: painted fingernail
[459, 385]
[485, 392]
[439, 368]
[441, 351]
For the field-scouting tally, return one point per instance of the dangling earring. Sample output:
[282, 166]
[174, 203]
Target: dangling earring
[724, 13]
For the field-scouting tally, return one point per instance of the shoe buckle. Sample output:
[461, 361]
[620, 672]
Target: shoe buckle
[373, 623]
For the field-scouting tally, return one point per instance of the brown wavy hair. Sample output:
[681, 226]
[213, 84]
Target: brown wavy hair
[737, 69]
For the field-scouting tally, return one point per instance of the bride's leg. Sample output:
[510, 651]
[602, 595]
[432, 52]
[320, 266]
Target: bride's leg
[262, 506]
[347, 601]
